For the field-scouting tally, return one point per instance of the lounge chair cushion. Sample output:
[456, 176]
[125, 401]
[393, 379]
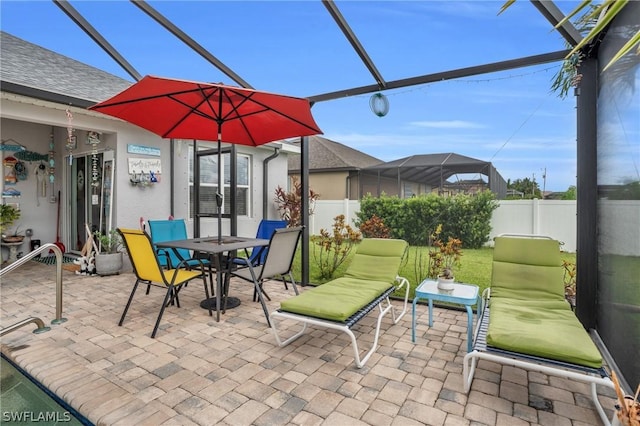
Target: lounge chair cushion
[377, 259]
[527, 269]
[372, 271]
[547, 329]
[336, 300]
[527, 282]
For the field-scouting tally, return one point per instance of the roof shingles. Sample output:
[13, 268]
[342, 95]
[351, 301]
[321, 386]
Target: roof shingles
[26, 64]
[325, 154]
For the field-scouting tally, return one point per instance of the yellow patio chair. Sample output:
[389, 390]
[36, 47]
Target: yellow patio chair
[148, 270]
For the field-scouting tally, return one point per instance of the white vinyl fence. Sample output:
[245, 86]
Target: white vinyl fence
[555, 218]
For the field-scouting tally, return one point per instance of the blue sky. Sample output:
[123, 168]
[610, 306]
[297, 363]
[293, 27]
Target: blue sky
[510, 118]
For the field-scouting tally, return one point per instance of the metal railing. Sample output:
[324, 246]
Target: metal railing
[37, 321]
[24, 259]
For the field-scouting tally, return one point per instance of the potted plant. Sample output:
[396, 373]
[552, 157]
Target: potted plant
[108, 257]
[8, 215]
[627, 408]
[442, 259]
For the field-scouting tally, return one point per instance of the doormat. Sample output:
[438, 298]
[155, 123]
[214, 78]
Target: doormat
[51, 260]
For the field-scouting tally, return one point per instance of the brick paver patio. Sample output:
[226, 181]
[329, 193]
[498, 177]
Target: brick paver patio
[197, 371]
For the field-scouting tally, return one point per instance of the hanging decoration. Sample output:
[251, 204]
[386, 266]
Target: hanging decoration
[52, 167]
[41, 183]
[70, 144]
[379, 104]
[10, 177]
[93, 138]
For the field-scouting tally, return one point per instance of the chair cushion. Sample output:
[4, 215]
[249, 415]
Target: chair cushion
[528, 251]
[336, 300]
[548, 329]
[377, 259]
[527, 268]
[520, 281]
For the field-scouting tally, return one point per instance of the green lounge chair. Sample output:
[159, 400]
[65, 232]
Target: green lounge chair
[339, 304]
[526, 322]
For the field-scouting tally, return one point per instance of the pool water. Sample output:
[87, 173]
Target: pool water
[23, 401]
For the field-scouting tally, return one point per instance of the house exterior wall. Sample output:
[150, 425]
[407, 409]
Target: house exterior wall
[31, 121]
[330, 185]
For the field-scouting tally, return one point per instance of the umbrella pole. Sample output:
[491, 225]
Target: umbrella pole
[219, 194]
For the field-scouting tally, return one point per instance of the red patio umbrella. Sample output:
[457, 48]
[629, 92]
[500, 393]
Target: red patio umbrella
[182, 109]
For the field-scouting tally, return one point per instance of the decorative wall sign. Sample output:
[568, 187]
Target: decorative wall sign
[144, 150]
[145, 165]
[93, 138]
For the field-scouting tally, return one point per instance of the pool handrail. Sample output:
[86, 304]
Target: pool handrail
[24, 259]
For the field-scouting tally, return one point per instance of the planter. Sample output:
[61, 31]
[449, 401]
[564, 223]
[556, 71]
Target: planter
[108, 263]
[631, 417]
[13, 239]
[445, 283]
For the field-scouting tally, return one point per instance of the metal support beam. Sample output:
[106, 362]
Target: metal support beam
[587, 193]
[446, 75]
[304, 182]
[550, 11]
[190, 42]
[355, 43]
[97, 37]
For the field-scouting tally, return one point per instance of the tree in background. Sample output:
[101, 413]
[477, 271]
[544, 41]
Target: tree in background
[526, 186]
[570, 193]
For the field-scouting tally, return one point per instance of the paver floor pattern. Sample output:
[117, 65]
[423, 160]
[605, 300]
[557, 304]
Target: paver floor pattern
[200, 372]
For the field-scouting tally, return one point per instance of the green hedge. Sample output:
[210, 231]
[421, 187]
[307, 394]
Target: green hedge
[466, 217]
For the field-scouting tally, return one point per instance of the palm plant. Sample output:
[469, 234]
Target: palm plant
[601, 13]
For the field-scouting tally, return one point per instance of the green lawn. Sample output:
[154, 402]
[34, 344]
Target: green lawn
[475, 267]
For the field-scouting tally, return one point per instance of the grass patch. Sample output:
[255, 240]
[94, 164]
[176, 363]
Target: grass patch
[475, 267]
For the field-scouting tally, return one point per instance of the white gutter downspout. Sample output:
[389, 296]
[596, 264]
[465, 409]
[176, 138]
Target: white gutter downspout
[265, 178]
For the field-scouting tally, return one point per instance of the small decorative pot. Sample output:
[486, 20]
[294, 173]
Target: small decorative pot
[445, 283]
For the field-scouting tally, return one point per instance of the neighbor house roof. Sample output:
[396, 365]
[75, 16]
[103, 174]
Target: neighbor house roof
[31, 70]
[435, 169]
[328, 155]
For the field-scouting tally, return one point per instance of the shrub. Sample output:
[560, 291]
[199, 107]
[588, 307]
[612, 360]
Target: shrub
[290, 203]
[334, 248]
[374, 227]
[465, 217]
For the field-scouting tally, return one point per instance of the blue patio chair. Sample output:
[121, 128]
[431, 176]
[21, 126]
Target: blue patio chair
[171, 230]
[266, 228]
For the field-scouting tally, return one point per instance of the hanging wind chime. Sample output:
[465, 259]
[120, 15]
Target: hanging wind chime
[94, 139]
[71, 139]
[52, 168]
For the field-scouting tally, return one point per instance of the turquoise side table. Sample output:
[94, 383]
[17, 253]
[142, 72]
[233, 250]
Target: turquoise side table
[462, 294]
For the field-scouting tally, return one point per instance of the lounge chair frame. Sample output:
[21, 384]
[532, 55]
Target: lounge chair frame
[482, 351]
[346, 326]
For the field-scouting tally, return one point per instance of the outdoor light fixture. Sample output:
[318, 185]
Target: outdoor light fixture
[379, 104]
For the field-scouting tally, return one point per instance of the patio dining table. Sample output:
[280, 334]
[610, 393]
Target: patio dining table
[216, 251]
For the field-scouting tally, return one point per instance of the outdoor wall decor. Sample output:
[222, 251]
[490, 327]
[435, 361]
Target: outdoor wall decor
[52, 167]
[93, 138]
[144, 150]
[10, 177]
[71, 142]
[144, 171]
[11, 145]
